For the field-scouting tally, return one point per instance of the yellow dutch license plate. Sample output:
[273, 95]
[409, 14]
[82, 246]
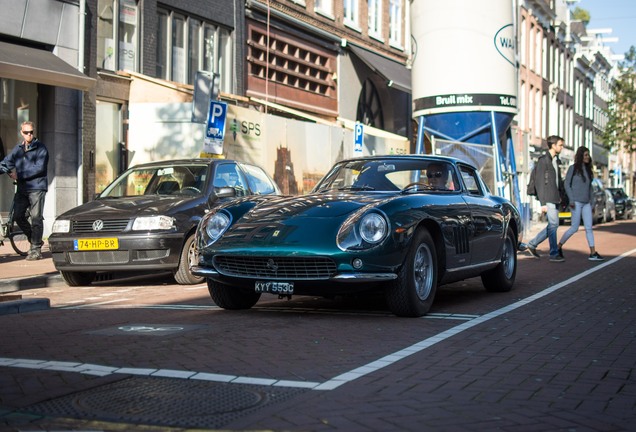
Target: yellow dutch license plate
[96, 244]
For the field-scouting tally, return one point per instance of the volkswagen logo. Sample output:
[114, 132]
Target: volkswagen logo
[98, 225]
[272, 266]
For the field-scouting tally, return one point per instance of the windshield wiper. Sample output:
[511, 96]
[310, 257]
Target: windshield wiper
[357, 188]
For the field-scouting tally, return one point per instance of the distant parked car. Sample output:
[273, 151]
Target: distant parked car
[610, 205]
[146, 218]
[624, 204]
[401, 225]
[599, 205]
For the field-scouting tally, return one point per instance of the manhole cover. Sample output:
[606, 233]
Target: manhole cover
[166, 402]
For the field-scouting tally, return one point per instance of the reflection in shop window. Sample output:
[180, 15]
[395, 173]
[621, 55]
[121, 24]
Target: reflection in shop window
[122, 55]
[107, 154]
[178, 49]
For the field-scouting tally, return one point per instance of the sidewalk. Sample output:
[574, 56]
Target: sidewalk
[16, 273]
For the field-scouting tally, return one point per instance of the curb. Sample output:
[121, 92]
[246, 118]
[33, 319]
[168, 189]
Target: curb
[21, 306]
[29, 282]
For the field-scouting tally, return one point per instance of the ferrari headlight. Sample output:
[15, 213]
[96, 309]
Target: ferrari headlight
[148, 223]
[373, 228]
[216, 225]
[363, 230]
[61, 226]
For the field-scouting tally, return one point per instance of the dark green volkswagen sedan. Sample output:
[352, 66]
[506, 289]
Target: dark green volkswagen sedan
[400, 224]
[146, 218]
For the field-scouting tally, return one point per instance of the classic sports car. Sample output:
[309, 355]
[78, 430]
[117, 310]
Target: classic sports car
[402, 224]
[146, 218]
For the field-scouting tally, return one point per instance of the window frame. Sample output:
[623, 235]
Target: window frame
[214, 49]
[375, 18]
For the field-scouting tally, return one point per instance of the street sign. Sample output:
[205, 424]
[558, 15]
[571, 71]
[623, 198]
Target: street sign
[215, 130]
[206, 88]
[358, 138]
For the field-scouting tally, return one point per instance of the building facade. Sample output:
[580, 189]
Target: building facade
[332, 62]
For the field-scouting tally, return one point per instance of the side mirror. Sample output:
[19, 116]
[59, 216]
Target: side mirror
[221, 192]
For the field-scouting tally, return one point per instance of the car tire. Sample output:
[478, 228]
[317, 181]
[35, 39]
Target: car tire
[228, 297]
[182, 274]
[413, 292]
[78, 278]
[502, 277]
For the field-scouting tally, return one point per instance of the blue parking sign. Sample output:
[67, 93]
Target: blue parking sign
[215, 130]
[358, 139]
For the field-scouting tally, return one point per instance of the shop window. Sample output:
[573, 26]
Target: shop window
[108, 146]
[186, 45]
[117, 20]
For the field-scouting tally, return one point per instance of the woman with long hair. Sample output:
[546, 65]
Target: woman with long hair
[578, 186]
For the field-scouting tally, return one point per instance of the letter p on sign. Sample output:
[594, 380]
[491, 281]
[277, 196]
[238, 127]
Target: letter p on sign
[358, 139]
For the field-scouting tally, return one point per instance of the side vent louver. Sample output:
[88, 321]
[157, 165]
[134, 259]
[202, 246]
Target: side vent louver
[461, 240]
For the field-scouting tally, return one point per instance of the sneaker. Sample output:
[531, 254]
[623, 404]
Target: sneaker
[34, 256]
[532, 251]
[557, 258]
[560, 253]
[596, 257]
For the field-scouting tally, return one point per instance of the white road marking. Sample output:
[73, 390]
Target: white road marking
[347, 377]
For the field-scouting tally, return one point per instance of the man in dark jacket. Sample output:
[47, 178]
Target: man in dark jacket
[549, 183]
[27, 164]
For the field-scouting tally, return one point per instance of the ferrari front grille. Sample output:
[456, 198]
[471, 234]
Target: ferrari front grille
[280, 268]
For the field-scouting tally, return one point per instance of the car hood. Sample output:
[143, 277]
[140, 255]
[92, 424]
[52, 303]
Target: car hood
[330, 205]
[120, 208]
[296, 223]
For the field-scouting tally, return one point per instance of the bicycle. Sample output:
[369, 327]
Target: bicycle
[8, 229]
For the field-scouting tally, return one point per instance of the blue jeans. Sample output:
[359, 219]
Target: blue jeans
[550, 231]
[30, 203]
[584, 210]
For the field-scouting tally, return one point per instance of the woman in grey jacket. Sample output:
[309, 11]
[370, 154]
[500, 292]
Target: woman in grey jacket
[578, 186]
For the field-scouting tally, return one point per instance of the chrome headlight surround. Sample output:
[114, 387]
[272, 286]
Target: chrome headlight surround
[373, 228]
[215, 224]
[363, 230]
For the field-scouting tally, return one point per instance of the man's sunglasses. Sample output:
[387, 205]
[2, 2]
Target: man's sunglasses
[435, 175]
[27, 132]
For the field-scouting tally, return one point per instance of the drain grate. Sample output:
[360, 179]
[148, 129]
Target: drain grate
[166, 402]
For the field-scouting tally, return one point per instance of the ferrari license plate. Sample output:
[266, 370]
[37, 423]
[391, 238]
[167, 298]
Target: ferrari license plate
[271, 287]
[96, 244]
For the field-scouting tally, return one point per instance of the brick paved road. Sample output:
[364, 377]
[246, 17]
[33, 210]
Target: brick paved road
[556, 353]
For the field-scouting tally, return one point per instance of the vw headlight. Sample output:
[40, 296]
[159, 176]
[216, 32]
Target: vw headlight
[61, 226]
[216, 225]
[147, 223]
[373, 228]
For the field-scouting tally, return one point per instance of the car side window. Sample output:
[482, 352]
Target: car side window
[471, 181]
[258, 181]
[229, 175]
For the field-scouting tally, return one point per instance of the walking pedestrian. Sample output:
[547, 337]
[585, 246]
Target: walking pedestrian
[27, 164]
[578, 186]
[549, 184]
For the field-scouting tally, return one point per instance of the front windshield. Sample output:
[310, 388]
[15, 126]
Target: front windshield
[391, 175]
[159, 180]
